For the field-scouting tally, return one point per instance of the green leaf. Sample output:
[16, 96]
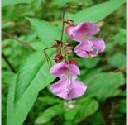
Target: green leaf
[103, 85]
[120, 37]
[45, 31]
[79, 112]
[122, 106]
[50, 113]
[32, 77]
[87, 107]
[70, 114]
[117, 60]
[38, 45]
[34, 70]
[123, 93]
[98, 12]
[7, 77]
[10, 102]
[89, 63]
[68, 122]
[109, 47]
[48, 100]
[62, 3]
[97, 119]
[13, 2]
[86, 73]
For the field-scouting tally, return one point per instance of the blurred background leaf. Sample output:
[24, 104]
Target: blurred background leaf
[103, 85]
[87, 107]
[49, 113]
[13, 2]
[117, 60]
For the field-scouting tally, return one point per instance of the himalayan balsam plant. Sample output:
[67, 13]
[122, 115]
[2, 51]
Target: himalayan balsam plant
[66, 69]
[65, 81]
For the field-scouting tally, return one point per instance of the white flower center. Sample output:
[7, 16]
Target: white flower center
[69, 81]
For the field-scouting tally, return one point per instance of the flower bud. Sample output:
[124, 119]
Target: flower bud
[71, 62]
[58, 57]
[59, 43]
[69, 52]
[67, 44]
[69, 22]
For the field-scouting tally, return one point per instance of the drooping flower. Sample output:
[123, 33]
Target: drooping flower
[90, 48]
[82, 31]
[67, 87]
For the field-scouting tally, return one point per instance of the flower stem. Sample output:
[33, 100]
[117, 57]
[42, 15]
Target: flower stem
[63, 24]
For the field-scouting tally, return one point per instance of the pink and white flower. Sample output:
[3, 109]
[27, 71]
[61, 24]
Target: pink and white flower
[82, 33]
[89, 48]
[67, 87]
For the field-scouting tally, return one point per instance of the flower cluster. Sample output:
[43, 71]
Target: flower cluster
[67, 71]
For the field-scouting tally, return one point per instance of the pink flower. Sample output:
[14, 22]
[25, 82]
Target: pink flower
[82, 31]
[90, 48]
[67, 87]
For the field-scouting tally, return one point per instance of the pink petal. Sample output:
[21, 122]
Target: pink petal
[59, 89]
[58, 69]
[99, 44]
[73, 69]
[88, 28]
[61, 69]
[93, 54]
[69, 31]
[82, 31]
[83, 49]
[83, 54]
[77, 88]
[84, 46]
[68, 88]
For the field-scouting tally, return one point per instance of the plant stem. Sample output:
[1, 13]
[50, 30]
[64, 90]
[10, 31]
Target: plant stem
[19, 41]
[63, 24]
[9, 64]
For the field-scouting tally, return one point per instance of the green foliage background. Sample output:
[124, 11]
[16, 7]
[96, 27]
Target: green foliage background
[29, 26]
